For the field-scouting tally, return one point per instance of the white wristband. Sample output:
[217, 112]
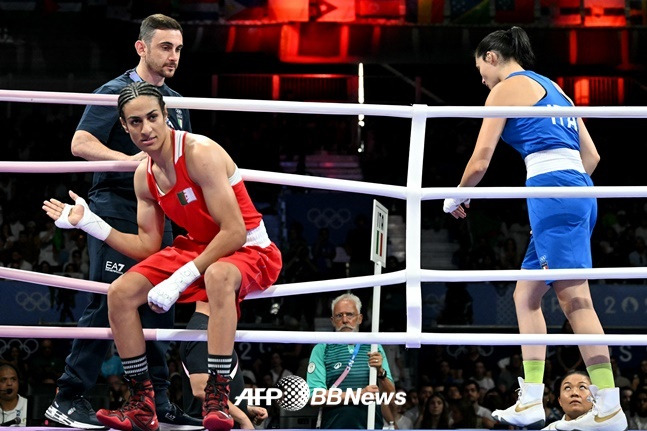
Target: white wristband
[184, 276]
[166, 293]
[90, 223]
[451, 204]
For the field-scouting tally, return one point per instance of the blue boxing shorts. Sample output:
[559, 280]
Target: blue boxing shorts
[561, 227]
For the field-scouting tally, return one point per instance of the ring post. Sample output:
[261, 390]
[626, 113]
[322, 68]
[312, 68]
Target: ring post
[378, 256]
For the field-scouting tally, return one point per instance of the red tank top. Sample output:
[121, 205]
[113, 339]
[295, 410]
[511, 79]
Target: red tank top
[184, 203]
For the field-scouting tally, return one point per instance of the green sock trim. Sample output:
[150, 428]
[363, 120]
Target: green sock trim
[533, 371]
[601, 375]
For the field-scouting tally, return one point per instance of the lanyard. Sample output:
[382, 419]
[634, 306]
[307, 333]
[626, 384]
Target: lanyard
[135, 76]
[348, 367]
[338, 381]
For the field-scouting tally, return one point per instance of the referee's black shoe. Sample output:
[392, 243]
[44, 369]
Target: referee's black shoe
[172, 418]
[74, 412]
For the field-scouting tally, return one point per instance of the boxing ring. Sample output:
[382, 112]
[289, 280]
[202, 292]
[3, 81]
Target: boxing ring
[412, 193]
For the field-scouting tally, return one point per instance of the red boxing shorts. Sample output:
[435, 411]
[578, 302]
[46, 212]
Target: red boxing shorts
[258, 266]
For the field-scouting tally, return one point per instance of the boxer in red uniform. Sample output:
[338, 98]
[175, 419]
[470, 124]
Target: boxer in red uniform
[225, 255]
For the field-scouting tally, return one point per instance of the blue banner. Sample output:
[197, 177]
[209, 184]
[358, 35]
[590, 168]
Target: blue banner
[34, 304]
[622, 308]
[335, 211]
[623, 305]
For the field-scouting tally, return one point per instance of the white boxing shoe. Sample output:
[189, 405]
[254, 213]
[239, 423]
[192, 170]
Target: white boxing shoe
[606, 414]
[529, 409]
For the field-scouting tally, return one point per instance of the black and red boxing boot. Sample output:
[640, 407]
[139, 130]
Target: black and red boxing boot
[138, 414]
[215, 410]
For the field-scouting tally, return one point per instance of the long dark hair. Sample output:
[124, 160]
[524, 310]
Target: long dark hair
[427, 421]
[509, 44]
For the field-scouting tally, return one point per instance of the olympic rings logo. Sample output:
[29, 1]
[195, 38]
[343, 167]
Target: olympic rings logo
[329, 217]
[456, 351]
[29, 346]
[33, 301]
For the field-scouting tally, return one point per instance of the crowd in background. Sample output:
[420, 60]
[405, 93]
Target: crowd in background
[495, 238]
[469, 382]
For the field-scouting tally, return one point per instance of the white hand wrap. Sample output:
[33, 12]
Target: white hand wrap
[168, 291]
[451, 204]
[90, 223]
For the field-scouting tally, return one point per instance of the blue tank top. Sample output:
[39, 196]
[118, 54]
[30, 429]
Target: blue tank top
[529, 135]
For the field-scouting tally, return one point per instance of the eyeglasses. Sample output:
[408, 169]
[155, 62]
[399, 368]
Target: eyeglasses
[340, 316]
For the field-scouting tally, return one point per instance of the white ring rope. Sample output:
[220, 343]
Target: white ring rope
[66, 167]
[277, 290]
[413, 193]
[278, 178]
[304, 337]
[351, 186]
[386, 279]
[276, 106]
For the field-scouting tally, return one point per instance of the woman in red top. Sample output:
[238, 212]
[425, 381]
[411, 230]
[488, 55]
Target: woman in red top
[225, 255]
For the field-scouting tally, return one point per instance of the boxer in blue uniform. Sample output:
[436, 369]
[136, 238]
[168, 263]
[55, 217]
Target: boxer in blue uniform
[557, 151]
[561, 227]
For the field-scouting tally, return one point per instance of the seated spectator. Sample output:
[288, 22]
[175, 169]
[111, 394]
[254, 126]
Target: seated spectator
[82, 267]
[626, 394]
[444, 376]
[50, 241]
[397, 412]
[277, 372]
[472, 393]
[16, 359]
[482, 377]
[467, 361]
[411, 402]
[18, 262]
[423, 393]
[638, 256]
[13, 406]
[640, 378]
[511, 370]
[494, 400]
[638, 413]
[435, 414]
[453, 392]
[26, 247]
[573, 397]
[462, 414]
